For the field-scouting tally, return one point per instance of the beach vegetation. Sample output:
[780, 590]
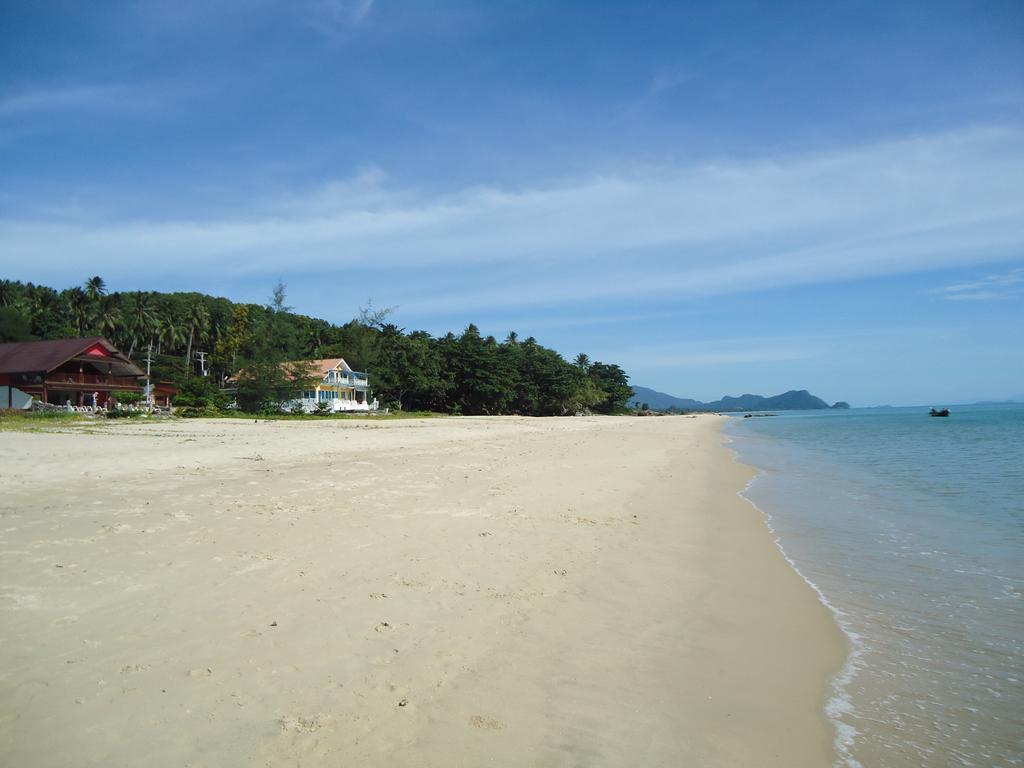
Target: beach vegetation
[14, 326]
[217, 352]
[29, 421]
[201, 392]
[128, 398]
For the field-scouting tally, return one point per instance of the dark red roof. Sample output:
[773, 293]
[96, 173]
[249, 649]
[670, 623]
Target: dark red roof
[35, 356]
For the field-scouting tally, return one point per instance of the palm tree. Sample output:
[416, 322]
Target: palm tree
[582, 361]
[95, 288]
[172, 334]
[47, 309]
[197, 319]
[80, 306]
[141, 318]
[108, 318]
[7, 293]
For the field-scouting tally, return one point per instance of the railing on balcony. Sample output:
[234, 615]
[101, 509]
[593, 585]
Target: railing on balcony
[57, 380]
[355, 379]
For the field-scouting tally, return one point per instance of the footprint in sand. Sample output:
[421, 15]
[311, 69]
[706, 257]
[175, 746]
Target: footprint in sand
[303, 724]
[486, 723]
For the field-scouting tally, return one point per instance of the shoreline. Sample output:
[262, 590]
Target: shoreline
[839, 702]
[506, 590]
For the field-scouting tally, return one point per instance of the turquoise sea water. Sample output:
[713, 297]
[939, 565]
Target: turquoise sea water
[912, 530]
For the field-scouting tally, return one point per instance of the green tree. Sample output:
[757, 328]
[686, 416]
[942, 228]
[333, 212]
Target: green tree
[197, 321]
[271, 377]
[482, 383]
[172, 334]
[613, 383]
[49, 314]
[469, 373]
[14, 326]
[141, 319]
[200, 392]
[408, 369]
[95, 288]
[9, 293]
[108, 318]
[81, 309]
[236, 340]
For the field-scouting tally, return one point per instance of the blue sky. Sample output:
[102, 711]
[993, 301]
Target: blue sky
[722, 197]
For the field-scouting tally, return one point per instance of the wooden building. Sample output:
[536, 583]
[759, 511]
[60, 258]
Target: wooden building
[75, 371]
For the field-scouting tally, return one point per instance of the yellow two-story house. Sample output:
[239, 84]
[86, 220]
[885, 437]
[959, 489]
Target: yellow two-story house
[337, 385]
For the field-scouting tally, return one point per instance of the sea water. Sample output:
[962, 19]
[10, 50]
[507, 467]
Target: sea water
[911, 528]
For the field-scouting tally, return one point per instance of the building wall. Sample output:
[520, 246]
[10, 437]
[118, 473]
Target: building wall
[19, 400]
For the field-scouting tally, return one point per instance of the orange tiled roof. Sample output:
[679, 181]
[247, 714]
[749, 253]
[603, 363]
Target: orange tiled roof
[326, 365]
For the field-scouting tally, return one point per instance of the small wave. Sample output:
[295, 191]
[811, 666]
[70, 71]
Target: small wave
[840, 703]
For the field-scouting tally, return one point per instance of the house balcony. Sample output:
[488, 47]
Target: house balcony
[355, 380]
[90, 381]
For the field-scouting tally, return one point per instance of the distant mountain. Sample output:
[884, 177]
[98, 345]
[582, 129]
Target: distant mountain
[794, 400]
[659, 401]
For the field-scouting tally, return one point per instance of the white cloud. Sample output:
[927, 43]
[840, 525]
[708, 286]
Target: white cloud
[947, 200]
[668, 80]
[74, 97]
[999, 286]
[334, 16]
[744, 356]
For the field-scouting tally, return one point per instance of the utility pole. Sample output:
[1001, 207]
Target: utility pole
[202, 361]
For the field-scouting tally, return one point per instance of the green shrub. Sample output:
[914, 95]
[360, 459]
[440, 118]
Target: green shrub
[197, 412]
[200, 392]
[117, 414]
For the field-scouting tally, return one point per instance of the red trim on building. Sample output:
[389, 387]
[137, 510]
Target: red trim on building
[98, 350]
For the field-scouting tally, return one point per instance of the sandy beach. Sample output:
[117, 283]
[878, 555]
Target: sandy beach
[439, 592]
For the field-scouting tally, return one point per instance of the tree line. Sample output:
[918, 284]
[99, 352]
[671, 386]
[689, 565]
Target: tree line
[186, 335]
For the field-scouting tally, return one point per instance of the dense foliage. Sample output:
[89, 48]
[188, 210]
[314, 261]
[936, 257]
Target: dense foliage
[185, 334]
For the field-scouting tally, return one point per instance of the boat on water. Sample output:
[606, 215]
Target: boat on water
[943, 412]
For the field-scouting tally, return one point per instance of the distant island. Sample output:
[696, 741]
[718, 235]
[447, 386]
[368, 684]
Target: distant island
[794, 400]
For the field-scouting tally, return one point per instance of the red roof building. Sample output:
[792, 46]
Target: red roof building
[65, 370]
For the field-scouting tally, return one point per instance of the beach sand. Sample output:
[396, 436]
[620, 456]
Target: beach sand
[439, 592]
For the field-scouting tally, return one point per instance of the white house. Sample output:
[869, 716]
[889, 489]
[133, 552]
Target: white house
[337, 385]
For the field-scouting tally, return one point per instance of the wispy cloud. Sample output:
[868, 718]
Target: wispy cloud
[72, 97]
[679, 360]
[729, 352]
[333, 17]
[694, 358]
[998, 286]
[670, 79]
[947, 200]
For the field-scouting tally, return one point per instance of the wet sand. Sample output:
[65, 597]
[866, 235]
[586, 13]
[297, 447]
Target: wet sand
[499, 591]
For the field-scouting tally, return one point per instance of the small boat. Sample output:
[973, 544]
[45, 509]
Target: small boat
[943, 412]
